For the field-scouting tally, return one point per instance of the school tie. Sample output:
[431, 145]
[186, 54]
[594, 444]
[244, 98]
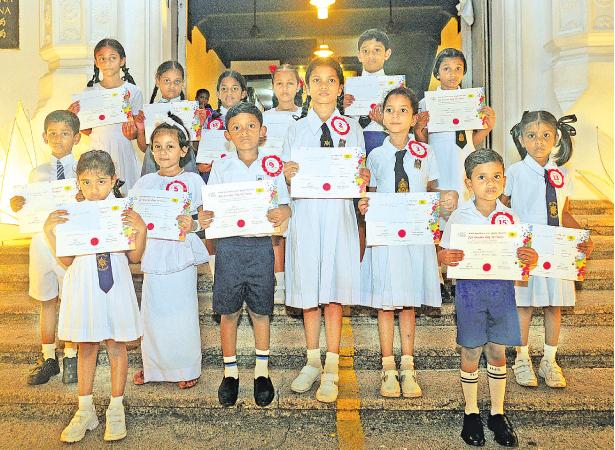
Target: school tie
[60, 171]
[364, 121]
[401, 177]
[105, 274]
[325, 138]
[460, 138]
[551, 198]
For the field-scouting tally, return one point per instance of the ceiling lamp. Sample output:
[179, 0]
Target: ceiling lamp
[323, 7]
[254, 31]
[323, 51]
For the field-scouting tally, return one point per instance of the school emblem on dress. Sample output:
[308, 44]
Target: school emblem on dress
[216, 124]
[101, 263]
[272, 165]
[340, 126]
[417, 149]
[502, 218]
[553, 209]
[177, 186]
[462, 137]
[417, 164]
[402, 186]
[556, 178]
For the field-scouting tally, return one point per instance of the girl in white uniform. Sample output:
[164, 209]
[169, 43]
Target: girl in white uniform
[115, 139]
[322, 249]
[538, 188]
[99, 303]
[171, 344]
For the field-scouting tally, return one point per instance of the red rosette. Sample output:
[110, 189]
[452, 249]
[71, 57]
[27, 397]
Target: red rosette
[340, 125]
[556, 178]
[272, 165]
[417, 149]
[216, 124]
[502, 218]
[177, 186]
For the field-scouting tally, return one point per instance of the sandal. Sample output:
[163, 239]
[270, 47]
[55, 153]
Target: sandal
[138, 378]
[187, 384]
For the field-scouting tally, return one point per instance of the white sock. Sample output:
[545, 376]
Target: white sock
[407, 362]
[523, 352]
[116, 402]
[86, 402]
[279, 280]
[388, 363]
[313, 358]
[261, 368]
[212, 265]
[332, 362]
[49, 351]
[70, 352]
[230, 367]
[550, 351]
[497, 387]
[469, 385]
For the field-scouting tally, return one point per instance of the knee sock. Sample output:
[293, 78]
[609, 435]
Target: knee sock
[212, 265]
[388, 363]
[407, 362]
[332, 362]
[523, 352]
[497, 387]
[230, 367]
[116, 402]
[469, 385]
[49, 351]
[261, 368]
[313, 358]
[550, 351]
[70, 352]
[279, 280]
[86, 402]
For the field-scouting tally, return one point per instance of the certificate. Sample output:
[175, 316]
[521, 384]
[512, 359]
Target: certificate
[94, 227]
[328, 172]
[277, 124]
[41, 199]
[155, 114]
[403, 218]
[159, 210]
[454, 110]
[369, 92]
[99, 107]
[240, 209]
[490, 251]
[558, 256]
[212, 146]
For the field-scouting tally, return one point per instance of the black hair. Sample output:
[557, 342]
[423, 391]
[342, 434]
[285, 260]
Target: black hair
[376, 35]
[448, 53]
[481, 156]
[406, 92]
[165, 67]
[183, 137]
[115, 45]
[99, 161]
[329, 62]
[202, 91]
[566, 131]
[299, 95]
[243, 108]
[62, 115]
[233, 74]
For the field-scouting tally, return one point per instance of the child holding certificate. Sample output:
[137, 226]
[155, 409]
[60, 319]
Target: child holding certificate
[45, 274]
[487, 318]
[171, 343]
[245, 264]
[538, 188]
[99, 303]
[115, 139]
[322, 247]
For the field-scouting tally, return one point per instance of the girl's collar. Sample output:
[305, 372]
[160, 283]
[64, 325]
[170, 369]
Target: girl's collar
[171, 176]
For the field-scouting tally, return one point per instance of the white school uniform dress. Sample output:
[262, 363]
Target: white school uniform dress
[171, 344]
[525, 185]
[87, 313]
[400, 276]
[110, 139]
[45, 273]
[322, 245]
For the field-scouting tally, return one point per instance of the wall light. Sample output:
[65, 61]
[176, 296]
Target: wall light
[323, 51]
[323, 7]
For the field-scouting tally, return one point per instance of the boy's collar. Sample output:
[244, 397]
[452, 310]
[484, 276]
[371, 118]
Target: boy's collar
[378, 73]
[499, 206]
[64, 159]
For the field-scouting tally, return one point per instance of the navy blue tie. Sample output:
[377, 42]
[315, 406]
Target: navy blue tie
[60, 171]
[325, 138]
[105, 274]
[551, 199]
[401, 177]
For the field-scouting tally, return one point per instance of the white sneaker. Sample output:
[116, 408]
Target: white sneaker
[552, 373]
[306, 378]
[409, 386]
[279, 296]
[327, 391]
[524, 372]
[82, 421]
[115, 428]
[390, 384]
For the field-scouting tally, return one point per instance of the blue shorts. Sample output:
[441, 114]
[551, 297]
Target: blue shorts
[486, 312]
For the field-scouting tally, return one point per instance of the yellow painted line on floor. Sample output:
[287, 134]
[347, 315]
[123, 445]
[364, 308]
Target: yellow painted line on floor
[349, 429]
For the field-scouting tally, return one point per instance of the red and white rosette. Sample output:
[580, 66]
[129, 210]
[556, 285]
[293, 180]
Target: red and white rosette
[340, 125]
[216, 124]
[177, 186]
[502, 218]
[272, 165]
[417, 149]
[556, 178]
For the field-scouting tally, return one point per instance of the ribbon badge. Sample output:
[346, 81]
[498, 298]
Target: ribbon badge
[216, 124]
[340, 126]
[502, 218]
[556, 178]
[177, 186]
[417, 149]
[272, 165]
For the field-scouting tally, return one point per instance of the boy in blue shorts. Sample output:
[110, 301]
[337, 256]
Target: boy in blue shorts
[487, 317]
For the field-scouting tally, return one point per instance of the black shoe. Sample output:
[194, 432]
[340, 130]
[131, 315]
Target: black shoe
[228, 390]
[263, 391]
[444, 294]
[472, 432]
[43, 371]
[69, 370]
[503, 431]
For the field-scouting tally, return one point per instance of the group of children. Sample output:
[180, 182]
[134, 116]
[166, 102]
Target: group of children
[321, 264]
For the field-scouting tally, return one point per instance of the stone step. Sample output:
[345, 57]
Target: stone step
[603, 247]
[435, 347]
[601, 224]
[591, 207]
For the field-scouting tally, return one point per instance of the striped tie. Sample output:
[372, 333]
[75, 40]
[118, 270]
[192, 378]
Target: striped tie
[60, 171]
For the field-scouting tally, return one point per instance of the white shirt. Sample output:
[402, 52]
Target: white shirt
[49, 172]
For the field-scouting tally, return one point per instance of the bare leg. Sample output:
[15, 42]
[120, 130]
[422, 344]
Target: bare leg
[495, 354]
[48, 320]
[386, 330]
[525, 318]
[118, 357]
[553, 318]
[86, 366]
[228, 333]
[407, 325]
[311, 327]
[333, 326]
[260, 324]
[470, 358]
[279, 245]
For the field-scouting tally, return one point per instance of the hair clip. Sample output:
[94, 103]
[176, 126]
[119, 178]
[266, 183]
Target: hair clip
[174, 124]
[273, 68]
[564, 121]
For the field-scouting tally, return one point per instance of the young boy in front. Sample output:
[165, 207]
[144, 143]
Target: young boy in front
[244, 268]
[45, 272]
[487, 318]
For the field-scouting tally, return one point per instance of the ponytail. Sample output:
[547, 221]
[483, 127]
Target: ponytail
[116, 188]
[182, 96]
[154, 92]
[95, 79]
[566, 132]
[127, 76]
[306, 106]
